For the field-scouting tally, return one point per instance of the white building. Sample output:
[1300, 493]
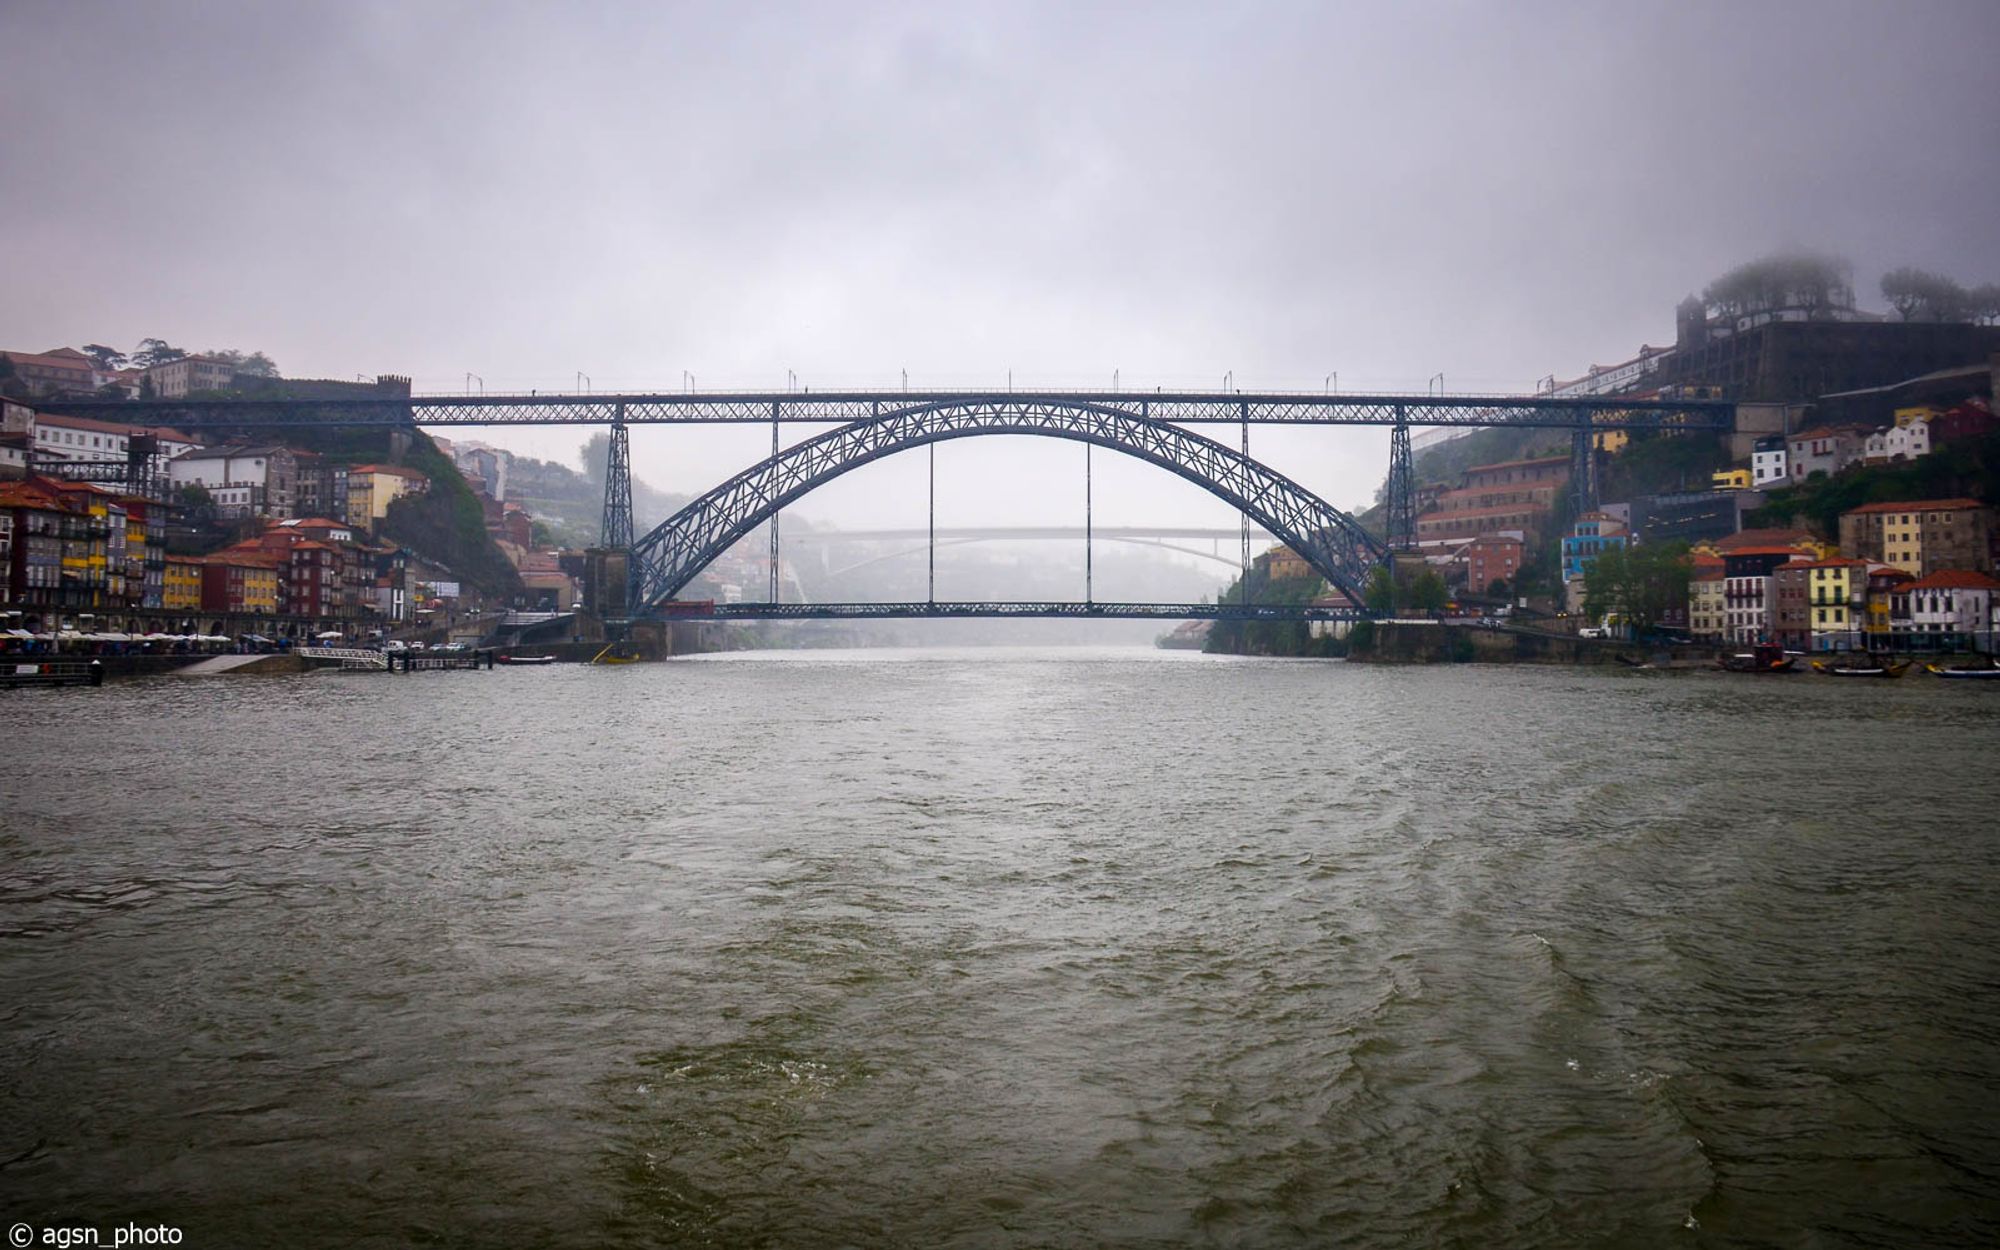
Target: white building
[242, 481]
[1767, 463]
[1821, 450]
[1899, 442]
[80, 438]
[177, 378]
[1950, 603]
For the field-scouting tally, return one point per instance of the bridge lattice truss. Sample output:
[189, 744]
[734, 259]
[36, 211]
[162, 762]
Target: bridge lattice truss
[1191, 407]
[1337, 548]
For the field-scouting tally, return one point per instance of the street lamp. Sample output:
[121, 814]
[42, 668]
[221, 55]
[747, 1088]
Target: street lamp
[470, 378]
[1439, 380]
[688, 378]
[583, 381]
[1229, 380]
[1332, 381]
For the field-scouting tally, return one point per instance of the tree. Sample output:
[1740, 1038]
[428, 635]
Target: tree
[1985, 303]
[105, 358]
[596, 457]
[1812, 282]
[1428, 592]
[1380, 595]
[1499, 589]
[152, 352]
[1641, 584]
[255, 365]
[1920, 295]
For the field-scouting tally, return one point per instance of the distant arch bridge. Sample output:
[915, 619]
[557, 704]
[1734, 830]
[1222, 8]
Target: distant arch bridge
[669, 557]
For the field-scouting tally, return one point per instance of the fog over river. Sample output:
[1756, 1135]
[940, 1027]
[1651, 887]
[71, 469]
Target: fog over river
[1025, 947]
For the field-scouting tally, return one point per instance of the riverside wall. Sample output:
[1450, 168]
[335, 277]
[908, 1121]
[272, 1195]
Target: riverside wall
[1399, 642]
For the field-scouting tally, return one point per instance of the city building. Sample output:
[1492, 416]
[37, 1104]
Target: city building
[1747, 591]
[1971, 419]
[1822, 449]
[1514, 495]
[1790, 615]
[240, 583]
[1948, 610]
[1280, 564]
[1593, 534]
[372, 487]
[61, 371]
[1767, 462]
[181, 584]
[1706, 617]
[1877, 627]
[241, 481]
[36, 524]
[1836, 599]
[1921, 536]
[1692, 517]
[1494, 557]
[177, 379]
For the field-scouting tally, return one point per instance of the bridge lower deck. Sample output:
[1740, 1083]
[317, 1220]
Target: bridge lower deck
[1061, 611]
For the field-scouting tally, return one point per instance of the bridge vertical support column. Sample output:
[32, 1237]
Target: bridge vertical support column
[1402, 500]
[617, 528]
[774, 516]
[1583, 469]
[1243, 411]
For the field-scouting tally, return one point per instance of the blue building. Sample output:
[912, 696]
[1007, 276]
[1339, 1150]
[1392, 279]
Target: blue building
[1593, 534]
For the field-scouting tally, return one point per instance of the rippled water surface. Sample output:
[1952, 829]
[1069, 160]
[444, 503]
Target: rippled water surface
[1021, 948]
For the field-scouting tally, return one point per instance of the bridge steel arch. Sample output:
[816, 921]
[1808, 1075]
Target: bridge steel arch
[1332, 542]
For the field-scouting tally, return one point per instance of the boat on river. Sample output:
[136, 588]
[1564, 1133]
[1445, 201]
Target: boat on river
[1939, 670]
[1860, 670]
[1762, 658]
[527, 659]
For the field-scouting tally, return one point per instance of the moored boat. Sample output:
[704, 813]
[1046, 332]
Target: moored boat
[1860, 670]
[527, 659]
[1939, 670]
[1763, 658]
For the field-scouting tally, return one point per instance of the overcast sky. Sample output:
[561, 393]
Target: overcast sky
[1492, 191]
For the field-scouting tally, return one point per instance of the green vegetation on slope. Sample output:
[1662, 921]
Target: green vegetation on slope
[1270, 637]
[1969, 468]
[446, 525]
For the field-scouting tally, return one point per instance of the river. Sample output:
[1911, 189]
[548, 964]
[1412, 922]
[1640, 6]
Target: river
[1004, 948]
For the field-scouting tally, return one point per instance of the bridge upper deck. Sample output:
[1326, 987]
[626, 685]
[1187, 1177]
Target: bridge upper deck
[839, 407]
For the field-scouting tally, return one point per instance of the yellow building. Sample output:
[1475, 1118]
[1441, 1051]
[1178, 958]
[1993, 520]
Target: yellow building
[1282, 562]
[1883, 582]
[181, 591]
[1904, 416]
[1730, 479]
[86, 562]
[1707, 606]
[371, 488]
[1836, 602]
[260, 589]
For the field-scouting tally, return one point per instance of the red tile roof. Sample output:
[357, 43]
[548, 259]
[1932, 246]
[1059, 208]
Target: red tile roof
[1917, 505]
[31, 494]
[1955, 579]
[1518, 464]
[1763, 538]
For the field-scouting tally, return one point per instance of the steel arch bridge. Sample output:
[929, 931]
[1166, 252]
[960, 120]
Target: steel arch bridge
[1332, 542]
